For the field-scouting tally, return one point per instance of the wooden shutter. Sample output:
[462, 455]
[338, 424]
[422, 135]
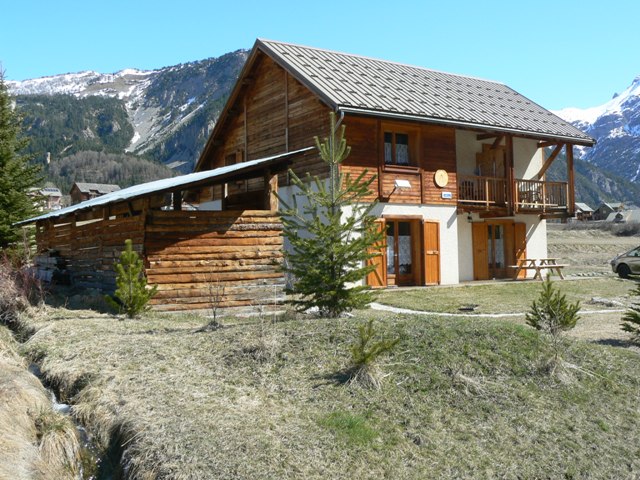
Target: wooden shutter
[378, 277]
[480, 251]
[520, 240]
[431, 267]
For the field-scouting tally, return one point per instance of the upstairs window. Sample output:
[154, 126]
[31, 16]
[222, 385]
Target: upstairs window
[396, 149]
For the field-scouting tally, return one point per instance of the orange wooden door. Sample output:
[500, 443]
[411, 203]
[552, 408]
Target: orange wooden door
[520, 243]
[378, 277]
[431, 243]
[480, 240]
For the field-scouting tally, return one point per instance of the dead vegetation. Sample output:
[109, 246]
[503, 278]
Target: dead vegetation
[35, 441]
[260, 399]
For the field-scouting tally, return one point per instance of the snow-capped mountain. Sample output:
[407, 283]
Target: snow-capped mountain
[171, 109]
[616, 127]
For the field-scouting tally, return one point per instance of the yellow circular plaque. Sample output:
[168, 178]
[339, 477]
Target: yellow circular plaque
[441, 178]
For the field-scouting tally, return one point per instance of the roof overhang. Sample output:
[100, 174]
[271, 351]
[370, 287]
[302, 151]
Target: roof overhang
[463, 124]
[229, 173]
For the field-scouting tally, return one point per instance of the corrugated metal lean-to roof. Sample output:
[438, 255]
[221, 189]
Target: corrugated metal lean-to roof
[167, 184]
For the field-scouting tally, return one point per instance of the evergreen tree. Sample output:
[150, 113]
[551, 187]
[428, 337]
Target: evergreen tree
[17, 175]
[330, 232]
[553, 315]
[631, 319]
[132, 295]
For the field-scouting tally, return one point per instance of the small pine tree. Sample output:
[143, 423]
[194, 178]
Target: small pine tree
[365, 353]
[17, 174]
[552, 314]
[330, 234]
[132, 295]
[631, 319]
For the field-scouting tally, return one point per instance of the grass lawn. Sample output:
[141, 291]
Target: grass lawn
[461, 398]
[506, 297]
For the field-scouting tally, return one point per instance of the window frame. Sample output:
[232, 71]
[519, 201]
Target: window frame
[412, 139]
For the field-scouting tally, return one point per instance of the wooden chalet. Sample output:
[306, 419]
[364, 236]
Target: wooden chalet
[81, 192]
[460, 161]
[191, 254]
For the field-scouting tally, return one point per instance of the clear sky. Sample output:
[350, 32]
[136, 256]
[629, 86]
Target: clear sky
[559, 53]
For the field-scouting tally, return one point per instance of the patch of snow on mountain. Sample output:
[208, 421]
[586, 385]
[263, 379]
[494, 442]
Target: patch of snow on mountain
[135, 139]
[615, 106]
[618, 132]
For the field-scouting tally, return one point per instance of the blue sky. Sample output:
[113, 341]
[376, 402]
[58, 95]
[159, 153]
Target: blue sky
[558, 53]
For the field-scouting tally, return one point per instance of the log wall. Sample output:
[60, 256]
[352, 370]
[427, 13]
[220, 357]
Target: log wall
[190, 256]
[89, 249]
[193, 255]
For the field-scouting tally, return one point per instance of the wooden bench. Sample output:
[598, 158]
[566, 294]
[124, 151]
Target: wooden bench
[538, 265]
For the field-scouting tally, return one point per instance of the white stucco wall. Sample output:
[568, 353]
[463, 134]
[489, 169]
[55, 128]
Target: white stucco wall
[466, 148]
[465, 248]
[446, 216]
[536, 235]
[211, 205]
[527, 158]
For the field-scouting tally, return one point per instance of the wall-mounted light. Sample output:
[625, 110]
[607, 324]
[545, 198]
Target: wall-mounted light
[401, 184]
[469, 218]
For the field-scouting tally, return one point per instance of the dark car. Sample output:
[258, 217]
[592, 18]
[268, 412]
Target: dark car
[627, 263]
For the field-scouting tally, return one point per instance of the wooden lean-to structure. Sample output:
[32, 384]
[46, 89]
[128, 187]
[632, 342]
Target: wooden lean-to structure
[228, 257]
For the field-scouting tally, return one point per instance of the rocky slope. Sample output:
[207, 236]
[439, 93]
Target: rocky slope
[616, 127]
[169, 111]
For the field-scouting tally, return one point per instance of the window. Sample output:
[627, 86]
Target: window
[396, 149]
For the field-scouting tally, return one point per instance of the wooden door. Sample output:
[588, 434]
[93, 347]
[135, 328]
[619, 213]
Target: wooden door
[520, 245]
[480, 241]
[431, 245]
[378, 277]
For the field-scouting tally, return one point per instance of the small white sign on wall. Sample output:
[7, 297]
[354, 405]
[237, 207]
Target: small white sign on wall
[446, 195]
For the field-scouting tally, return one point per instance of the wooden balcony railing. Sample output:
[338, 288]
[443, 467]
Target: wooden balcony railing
[538, 196]
[477, 190]
[528, 195]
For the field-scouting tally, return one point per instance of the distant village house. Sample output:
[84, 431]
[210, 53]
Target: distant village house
[47, 198]
[605, 209]
[583, 212]
[81, 192]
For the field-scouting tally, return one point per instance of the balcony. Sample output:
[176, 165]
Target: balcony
[529, 196]
[540, 197]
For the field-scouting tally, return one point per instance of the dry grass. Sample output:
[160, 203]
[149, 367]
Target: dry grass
[462, 399]
[586, 251]
[35, 441]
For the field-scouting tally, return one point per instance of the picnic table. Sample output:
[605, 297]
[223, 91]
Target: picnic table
[550, 264]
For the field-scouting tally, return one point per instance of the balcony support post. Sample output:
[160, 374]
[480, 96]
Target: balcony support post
[571, 189]
[511, 181]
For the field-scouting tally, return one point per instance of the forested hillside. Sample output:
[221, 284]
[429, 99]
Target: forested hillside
[63, 124]
[98, 167]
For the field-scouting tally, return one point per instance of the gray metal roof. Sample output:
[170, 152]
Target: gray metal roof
[583, 207]
[364, 85]
[97, 187]
[165, 185]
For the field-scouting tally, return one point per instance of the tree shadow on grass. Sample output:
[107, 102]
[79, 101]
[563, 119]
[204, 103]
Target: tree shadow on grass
[339, 377]
[615, 342]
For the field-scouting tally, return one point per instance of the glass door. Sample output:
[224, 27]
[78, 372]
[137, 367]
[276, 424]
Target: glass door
[496, 251]
[400, 261]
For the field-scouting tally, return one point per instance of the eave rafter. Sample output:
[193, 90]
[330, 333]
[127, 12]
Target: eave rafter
[549, 161]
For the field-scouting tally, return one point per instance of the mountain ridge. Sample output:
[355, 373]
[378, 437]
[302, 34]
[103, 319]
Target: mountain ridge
[616, 126]
[159, 103]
